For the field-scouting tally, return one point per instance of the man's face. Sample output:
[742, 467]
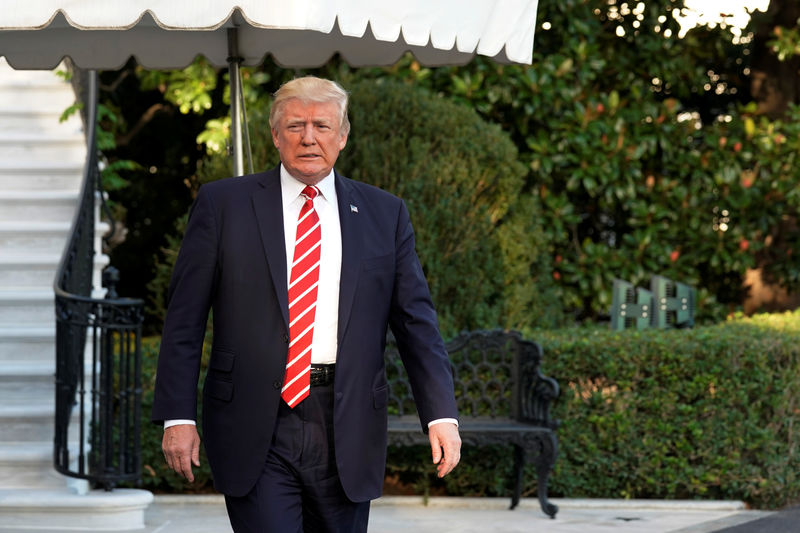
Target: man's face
[309, 139]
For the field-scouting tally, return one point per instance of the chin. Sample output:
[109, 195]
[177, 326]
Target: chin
[316, 173]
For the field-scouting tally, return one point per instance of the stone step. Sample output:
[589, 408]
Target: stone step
[26, 382]
[66, 148]
[117, 510]
[28, 270]
[34, 422]
[46, 117]
[31, 90]
[33, 237]
[34, 270]
[41, 175]
[38, 205]
[41, 171]
[28, 343]
[26, 465]
[34, 306]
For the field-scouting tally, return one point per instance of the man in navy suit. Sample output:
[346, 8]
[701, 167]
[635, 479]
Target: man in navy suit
[313, 465]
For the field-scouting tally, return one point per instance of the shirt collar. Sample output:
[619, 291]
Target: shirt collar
[291, 187]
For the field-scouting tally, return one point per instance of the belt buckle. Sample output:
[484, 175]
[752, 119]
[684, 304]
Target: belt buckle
[322, 375]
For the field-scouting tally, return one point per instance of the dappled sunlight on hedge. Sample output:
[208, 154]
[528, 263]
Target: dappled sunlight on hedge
[710, 412]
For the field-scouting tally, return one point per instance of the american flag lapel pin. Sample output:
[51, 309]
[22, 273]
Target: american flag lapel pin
[353, 209]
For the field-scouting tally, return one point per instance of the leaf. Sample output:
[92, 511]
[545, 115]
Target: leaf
[69, 111]
[565, 67]
[749, 127]
[613, 100]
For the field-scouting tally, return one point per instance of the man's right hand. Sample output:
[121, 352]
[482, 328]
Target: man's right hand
[181, 447]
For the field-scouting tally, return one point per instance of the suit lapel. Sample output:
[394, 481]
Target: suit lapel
[268, 208]
[352, 245]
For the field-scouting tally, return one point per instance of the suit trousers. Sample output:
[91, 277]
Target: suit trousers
[299, 489]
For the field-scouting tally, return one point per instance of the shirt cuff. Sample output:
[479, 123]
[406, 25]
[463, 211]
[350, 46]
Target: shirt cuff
[441, 420]
[179, 421]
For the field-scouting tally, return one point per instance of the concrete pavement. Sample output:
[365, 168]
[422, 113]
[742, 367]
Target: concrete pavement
[396, 514]
[785, 521]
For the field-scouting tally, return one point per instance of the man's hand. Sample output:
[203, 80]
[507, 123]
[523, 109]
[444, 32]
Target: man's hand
[181, 447]
[446, 447]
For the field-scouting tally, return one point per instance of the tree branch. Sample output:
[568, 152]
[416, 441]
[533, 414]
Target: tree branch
[116, 83]
[147, 116]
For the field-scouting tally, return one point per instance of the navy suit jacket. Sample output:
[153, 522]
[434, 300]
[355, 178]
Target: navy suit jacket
[233, 260]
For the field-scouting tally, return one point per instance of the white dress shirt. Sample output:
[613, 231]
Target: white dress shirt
[326, 317]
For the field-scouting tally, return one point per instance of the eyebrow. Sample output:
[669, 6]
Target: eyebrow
[316, 121]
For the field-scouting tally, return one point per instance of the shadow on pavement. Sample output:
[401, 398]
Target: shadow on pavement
[786, 521]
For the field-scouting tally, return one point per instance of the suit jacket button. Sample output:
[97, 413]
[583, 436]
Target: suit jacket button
[285, 337]
[277, 384]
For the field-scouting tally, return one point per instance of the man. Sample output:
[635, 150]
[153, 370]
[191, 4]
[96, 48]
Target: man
[305, 270]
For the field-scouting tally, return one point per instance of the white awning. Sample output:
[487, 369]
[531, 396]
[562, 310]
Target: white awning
[103, 34]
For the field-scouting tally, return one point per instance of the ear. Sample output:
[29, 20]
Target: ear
[342, 142]
[275, 139]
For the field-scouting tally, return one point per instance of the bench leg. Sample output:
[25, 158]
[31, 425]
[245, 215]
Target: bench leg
[519, 466]
[544, 465]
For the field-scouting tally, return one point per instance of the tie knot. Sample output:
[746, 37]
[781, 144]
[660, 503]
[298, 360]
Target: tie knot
[310, 192]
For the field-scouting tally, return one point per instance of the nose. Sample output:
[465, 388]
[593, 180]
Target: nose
[308, 134]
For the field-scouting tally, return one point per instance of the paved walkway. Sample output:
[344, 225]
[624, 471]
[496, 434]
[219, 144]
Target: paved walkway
[185, 514]
[206, 514]
[785, 521]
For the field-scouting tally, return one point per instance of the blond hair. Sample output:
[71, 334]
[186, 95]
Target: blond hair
[310, 89]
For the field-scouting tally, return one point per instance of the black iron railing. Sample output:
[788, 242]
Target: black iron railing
[98, 350]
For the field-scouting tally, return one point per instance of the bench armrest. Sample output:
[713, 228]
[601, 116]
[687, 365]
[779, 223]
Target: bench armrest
[537, 391]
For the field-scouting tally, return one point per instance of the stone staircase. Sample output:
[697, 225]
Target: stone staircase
[41, 167]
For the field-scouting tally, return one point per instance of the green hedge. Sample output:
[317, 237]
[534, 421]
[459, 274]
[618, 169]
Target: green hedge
[478, 235]
[708, 413]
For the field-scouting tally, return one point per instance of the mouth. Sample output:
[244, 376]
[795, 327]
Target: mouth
[309, 156]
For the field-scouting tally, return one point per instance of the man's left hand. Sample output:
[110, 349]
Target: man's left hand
[446, 447]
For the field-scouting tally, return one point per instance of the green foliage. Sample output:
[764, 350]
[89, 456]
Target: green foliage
[635, 149]
[708, 413]
[705, 413]
[786, 43]
[190, 89]
[69, 111]
[111, 172]
[107, 124]
[478, 235]
[217, 133]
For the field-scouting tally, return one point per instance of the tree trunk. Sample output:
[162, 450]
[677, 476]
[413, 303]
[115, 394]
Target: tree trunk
[774, 83]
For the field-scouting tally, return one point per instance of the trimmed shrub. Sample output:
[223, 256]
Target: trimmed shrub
[706, 413]
[478, 234]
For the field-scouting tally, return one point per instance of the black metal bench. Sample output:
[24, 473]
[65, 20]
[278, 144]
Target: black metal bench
[502, 396]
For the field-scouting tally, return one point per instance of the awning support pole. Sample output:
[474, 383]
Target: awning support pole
[236, 101]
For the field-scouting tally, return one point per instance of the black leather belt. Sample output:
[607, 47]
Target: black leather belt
[322, 374]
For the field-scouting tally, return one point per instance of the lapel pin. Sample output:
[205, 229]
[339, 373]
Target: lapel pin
[353, 209]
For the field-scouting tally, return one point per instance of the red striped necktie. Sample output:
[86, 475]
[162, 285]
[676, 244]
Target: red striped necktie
[303, 283]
